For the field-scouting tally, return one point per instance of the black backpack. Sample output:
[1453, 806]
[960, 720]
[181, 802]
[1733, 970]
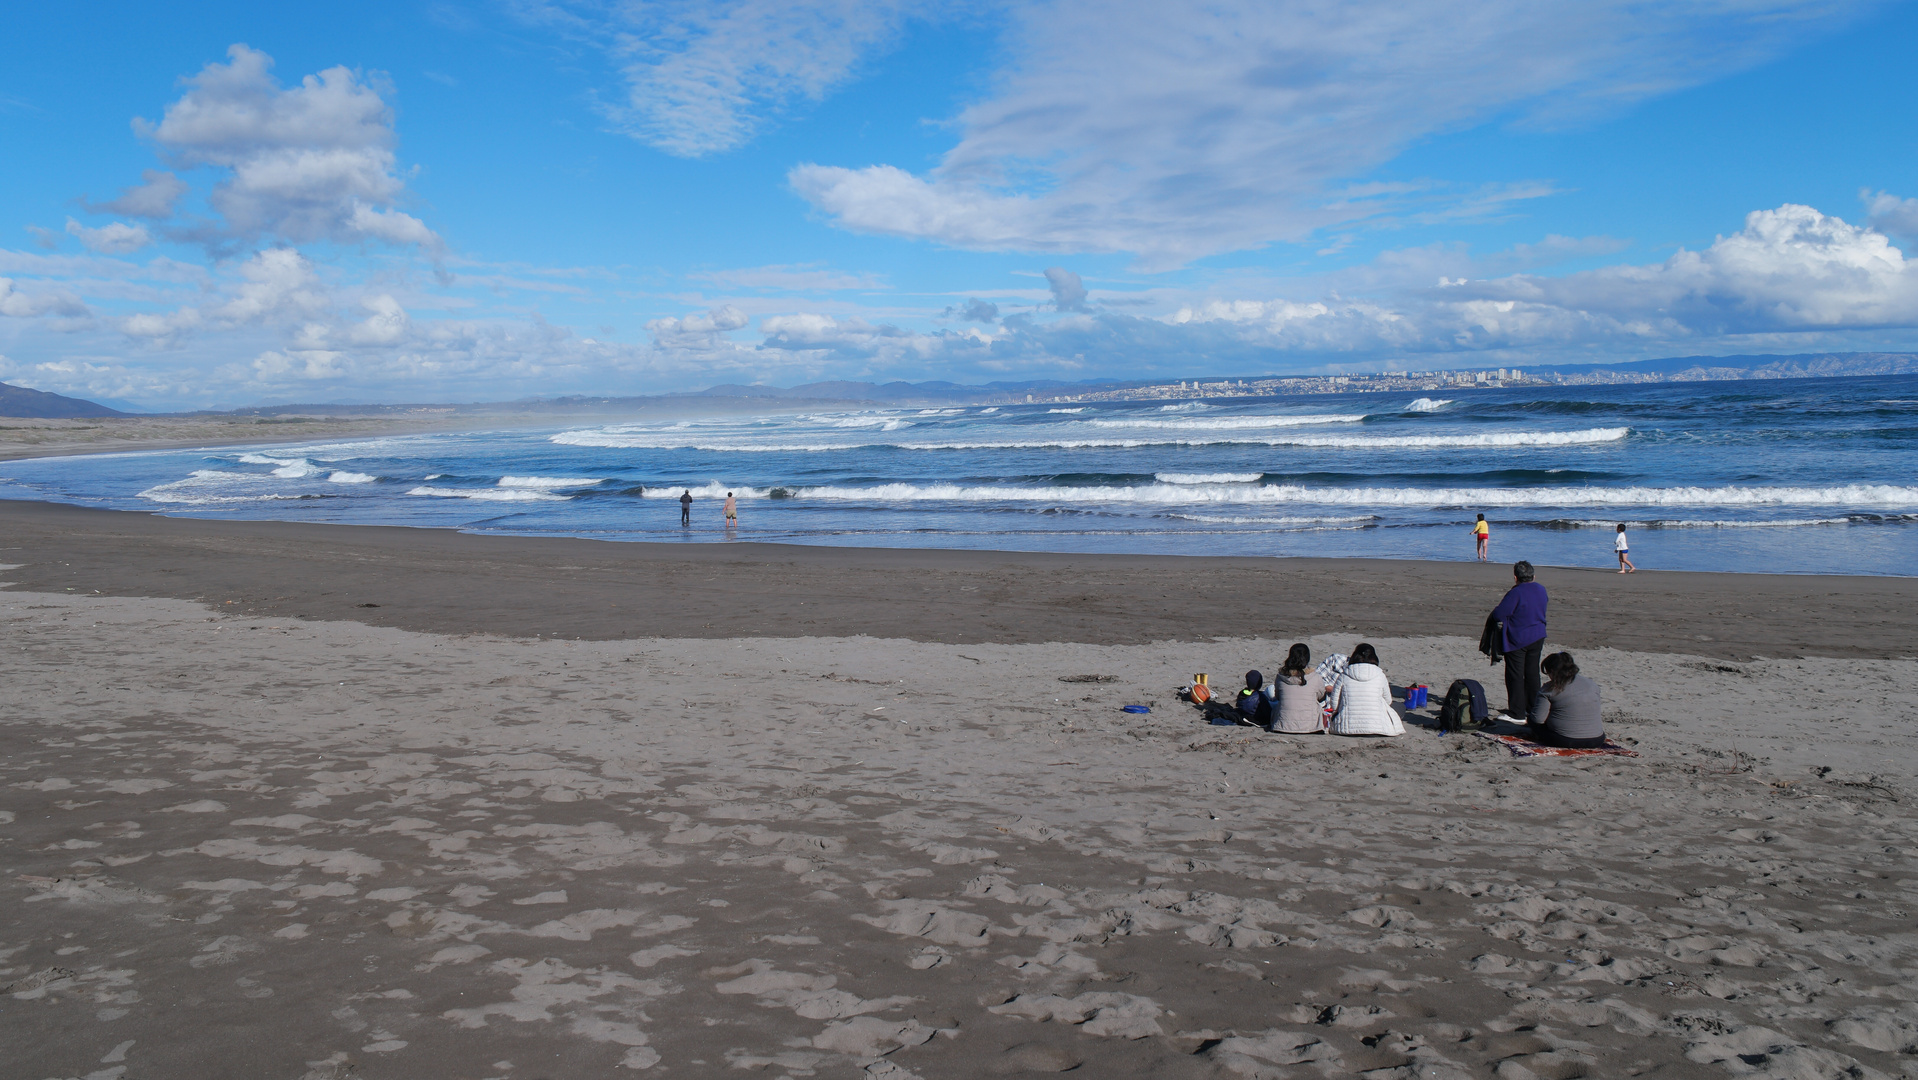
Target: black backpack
[1464, 706]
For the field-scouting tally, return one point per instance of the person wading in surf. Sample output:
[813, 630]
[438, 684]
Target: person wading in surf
[686, 507]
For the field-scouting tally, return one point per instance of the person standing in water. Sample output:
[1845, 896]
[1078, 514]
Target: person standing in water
[1483, 533]
[1624, 552]
[732, 510]
[686, 507]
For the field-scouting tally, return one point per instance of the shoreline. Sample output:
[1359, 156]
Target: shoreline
[446, 581]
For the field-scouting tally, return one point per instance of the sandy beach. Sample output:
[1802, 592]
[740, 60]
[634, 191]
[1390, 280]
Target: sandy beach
[561, 808]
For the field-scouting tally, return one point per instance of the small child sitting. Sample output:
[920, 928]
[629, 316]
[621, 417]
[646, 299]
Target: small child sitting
[1255, 703]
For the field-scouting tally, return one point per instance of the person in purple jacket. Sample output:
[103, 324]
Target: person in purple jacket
[1521, 639]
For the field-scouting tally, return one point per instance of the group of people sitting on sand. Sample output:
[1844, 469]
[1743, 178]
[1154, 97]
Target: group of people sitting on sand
[1349, 694]
[1343, 694]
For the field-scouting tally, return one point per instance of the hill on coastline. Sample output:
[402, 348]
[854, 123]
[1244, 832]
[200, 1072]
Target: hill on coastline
[40, 405]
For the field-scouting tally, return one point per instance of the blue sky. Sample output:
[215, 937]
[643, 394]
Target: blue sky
[226, 204]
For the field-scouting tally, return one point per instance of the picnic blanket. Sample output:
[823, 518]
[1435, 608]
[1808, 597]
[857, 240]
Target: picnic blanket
[1523, 747]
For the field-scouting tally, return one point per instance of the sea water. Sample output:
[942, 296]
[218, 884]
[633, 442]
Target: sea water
[1806, 475]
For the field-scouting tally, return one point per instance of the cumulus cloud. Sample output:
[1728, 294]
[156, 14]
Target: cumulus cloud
[974, 310]
[309, 162]
[276, 287]
[702, 76]
[1068, 292]
[1891, 214]
[1789, 270]
[698, 331]
[154, 197]
[25, 305]
[1175, 129]
[115, 238]
[806, 331]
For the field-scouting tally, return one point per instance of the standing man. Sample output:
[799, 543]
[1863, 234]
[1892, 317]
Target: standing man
[1481, 532]
[732, 510]
[1520, 639]
[686, 507]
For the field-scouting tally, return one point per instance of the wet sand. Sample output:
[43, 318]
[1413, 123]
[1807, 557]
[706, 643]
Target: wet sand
[446, 582]
[916, 836]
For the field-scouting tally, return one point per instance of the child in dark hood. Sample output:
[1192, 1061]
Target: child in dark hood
[1255, 706]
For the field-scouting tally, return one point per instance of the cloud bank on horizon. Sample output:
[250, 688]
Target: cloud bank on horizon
[1171, 190]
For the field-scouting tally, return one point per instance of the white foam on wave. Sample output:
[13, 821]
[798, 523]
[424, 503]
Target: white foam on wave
[1080, 409]
[343, 477]
[490, 494]
[1208, 478]
[289, 468]
[1850, 495]
[1426, 404]
[664, 441]
[1185, 406]
[883, 423]
[1786, 523]
[940, 412]
[993, 409]
[1348, 520]
[1224, 423]
[712, 489]
[548, 481]
[204, 487]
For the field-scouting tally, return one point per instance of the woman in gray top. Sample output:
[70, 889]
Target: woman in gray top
[1565, 713]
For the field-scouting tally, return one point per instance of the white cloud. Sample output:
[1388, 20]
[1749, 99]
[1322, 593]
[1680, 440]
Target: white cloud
[807, 331]
[698, 331]
[114, 238]
[19, 305]
[153, 198]
[702, 76]
[311, 162]
[1068, 292]
[1175, 129]
[1791, 270]
[1891, 214]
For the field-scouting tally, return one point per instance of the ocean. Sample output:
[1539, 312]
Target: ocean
[1791, 476]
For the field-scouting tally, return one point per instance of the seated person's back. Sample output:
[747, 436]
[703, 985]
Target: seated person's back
[1296, 695]
[1567, 710]
[1363, 698]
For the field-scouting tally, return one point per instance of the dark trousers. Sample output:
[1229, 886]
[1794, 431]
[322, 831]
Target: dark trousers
[1545, 736]
[685, 514]
[1522, 678]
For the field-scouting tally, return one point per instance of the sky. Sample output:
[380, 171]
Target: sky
[211, 205]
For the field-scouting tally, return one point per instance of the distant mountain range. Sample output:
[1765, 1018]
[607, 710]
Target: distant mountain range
[1713, 368]
[22, 402]
[40, 405]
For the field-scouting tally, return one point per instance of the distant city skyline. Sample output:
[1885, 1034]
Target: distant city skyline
[223, 205]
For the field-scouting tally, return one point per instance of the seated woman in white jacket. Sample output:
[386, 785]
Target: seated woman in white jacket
[1362, 699]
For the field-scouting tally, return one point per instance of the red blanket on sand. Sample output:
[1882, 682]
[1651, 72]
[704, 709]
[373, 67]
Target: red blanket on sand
[1524, 747]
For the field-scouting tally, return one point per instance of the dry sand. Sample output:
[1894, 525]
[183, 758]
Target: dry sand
[30, 437]
[241, 843]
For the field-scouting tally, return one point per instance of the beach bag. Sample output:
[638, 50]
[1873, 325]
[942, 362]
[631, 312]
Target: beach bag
[1464, 706]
